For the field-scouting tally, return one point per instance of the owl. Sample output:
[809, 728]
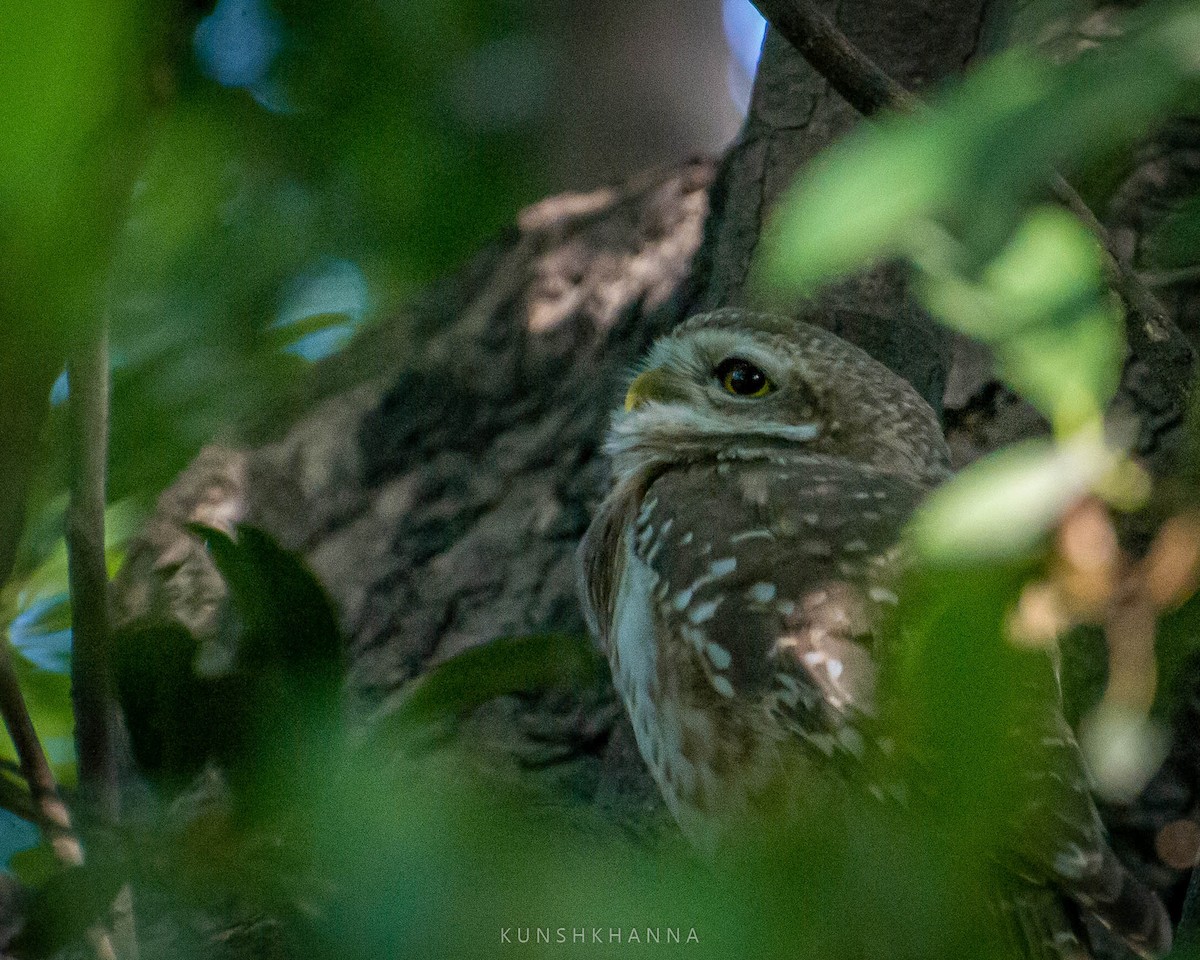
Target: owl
[737, 574]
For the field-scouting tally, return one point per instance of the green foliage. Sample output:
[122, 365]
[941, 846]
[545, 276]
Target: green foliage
[958, 191]
[954, 190]
[354, 152]
[72, 73]
[261, 719]
[63, 908]
[1039, 303]
[36, 611]
[504, 666]
[404, 845]
[365, 148]
[1003, 505]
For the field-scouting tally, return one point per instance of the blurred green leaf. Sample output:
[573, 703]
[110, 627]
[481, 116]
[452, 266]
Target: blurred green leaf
[1003, 505]
[64, 907]
[48, 580]
[168, 710]
[285, 694]
[1043, 308]
[970, 710]
[503, 666]
[287, 619]
[971, 162]
[36, 865]
[289, 334]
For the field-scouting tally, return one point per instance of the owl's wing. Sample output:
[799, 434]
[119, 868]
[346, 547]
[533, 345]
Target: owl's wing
[778, 577]
[600, 559]
[1071, 848]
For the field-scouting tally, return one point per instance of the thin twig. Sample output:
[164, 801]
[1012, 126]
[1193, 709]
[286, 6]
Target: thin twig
[847, 69]
[50, 813]
[1177, 277]
[869, 89]
[90, 683]
[14, 794]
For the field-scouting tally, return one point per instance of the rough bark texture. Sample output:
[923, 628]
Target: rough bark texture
[441, 496]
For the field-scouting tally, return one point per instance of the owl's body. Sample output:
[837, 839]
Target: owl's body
[738, 573]
[766, 555]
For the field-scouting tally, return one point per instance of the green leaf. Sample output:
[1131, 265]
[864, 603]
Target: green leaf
[285, 694]
[287, 334]
[1042, 306]
[1003, 505]
[36, 865]
[169, 710]
[503, 666]
[1069, 371]
[857, 204]
[287, 617]
[49, 579]
[874, 195]
[64, 907]
[970, 163]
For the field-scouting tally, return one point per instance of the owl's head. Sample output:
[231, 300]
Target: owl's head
[734, 385]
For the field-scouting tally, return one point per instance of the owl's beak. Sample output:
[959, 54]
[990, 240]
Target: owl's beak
[654, 384]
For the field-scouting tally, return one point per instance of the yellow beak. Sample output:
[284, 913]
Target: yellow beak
[654, 384]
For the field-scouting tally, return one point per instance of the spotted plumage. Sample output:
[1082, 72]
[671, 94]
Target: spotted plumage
[737, 575]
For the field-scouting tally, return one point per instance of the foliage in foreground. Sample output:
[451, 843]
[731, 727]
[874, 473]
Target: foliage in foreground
[390, 841]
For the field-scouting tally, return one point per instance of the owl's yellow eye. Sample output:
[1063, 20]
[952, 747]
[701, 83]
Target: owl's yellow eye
[742, 378]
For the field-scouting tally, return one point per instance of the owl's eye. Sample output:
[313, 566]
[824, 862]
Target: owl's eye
[742, 378]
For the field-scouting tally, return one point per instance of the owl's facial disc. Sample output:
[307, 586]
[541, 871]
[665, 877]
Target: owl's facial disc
[733, 384]
[736, 375]
[738, 391]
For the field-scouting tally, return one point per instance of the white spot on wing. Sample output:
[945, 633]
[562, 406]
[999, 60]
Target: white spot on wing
[703, 612]
[719, 656]
[762, 592]
[693, 635]
[762, 533]
[722, 567]
[880, 595]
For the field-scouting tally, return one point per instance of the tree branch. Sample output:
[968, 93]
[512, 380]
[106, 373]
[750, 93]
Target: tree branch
[48, 810]
[90, 683]
[847, 69]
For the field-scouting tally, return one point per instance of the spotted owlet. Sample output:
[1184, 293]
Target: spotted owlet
[738, 570]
